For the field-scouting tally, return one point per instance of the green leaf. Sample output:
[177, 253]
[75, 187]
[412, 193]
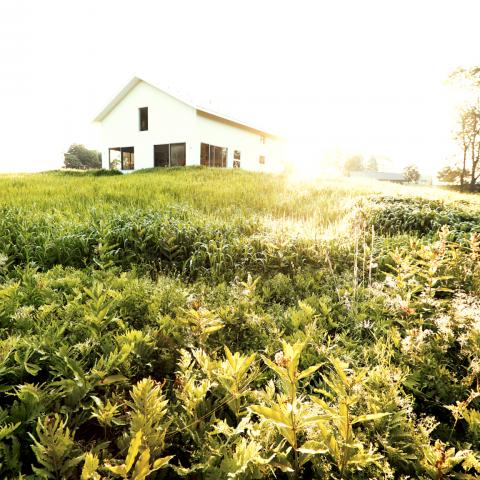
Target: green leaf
[133, 450]
[213, 328]
[308, 371]
[118, 470]
[31, 368]
[112, 379]
[8, 429]
[340, 369]
[304, 421]
[312, 447]
[371, 416]
[272, 414]
[324, 405]
[229, 356]
[161, 462]
[281, 372]
[89, 470]
[142, 467]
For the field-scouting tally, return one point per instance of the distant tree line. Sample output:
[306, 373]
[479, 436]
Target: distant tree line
[356, 163]
[82, 158]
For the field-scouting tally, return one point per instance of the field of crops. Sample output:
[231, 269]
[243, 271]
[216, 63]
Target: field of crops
[215, 324]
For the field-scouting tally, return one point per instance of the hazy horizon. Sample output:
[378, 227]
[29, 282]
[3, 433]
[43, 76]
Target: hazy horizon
[334, 79]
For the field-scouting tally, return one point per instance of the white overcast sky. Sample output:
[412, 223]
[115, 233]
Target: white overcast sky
[343, 76]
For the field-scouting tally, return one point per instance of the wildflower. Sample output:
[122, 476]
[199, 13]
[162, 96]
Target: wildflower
[407, 310]
[415, 340]
[367, 324]
[3, 260]
[390, 281]
[443, 325]
[179, 383]
[407, 344]
[194, 302]
[466, 317]
[281, 360]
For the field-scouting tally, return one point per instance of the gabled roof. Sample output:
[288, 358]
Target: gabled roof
[200, 110]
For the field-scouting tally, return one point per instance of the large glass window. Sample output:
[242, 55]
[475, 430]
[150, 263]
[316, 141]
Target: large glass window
[212, 156]
[161, 155]
[236, 158]
[114, 158]
[224, 157]
[128, 158]
[204, 154]
[143, 118]
[177, 155]
[169, 155]
[121, 157]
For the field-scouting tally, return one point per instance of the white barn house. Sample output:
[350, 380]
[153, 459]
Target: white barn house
[144, 127]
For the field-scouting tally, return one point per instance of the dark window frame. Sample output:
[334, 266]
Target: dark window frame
[116, 167]
[169, 145]
[217, 156]
[132, 160]
[123, 151]
[143, 119]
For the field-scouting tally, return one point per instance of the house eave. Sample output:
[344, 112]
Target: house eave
[200, 110]
[234, 123]
[118, 98]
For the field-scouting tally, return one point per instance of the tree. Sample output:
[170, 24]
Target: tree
[353, 164]
[469, 136]
[80, 157]
[372, 165]
[468, 131]
[452, 174]
[411, 174]
[462, 136]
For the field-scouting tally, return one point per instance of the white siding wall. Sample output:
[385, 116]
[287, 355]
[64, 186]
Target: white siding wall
[172, 121]
[169, 121]
[221, 134]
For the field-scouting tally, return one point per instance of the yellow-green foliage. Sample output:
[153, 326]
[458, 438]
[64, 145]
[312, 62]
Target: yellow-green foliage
[208, 324]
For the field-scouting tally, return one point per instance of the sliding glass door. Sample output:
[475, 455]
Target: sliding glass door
[169, 155]
[177, 155]
[213, 156]
[121, 157]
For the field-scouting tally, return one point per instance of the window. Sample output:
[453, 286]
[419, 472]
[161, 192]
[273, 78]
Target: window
[177, 155]
[161, 155]
[123, 157]
[236, 159]
[169, 155]
[128, 159]
[143, 118]
[212, 156]
[262, 139]
[204, 154]
[261, 160]
[114, 158]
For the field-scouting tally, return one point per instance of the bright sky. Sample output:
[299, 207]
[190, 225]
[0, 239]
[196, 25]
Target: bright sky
[336, 77]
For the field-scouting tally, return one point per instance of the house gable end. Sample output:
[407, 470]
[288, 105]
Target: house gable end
[126, 91]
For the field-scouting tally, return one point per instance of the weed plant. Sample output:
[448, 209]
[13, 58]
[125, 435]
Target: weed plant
[207, 324]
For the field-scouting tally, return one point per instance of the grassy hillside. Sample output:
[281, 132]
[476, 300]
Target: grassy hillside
[199, 323]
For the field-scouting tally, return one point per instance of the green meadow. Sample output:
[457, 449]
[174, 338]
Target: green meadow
[213, 324]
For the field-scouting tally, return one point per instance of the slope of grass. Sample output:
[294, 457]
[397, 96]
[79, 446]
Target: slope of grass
[200, 323]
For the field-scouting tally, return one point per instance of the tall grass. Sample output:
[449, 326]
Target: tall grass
[219, 194]
[194, 323]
